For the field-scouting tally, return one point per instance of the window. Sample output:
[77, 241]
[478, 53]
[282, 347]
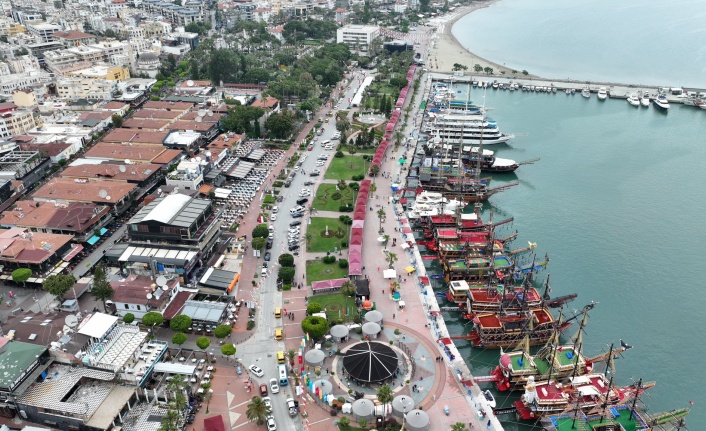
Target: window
[127, 307]
[138, 306]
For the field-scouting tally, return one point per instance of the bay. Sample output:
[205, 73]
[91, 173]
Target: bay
[629, 41]
[617, 201]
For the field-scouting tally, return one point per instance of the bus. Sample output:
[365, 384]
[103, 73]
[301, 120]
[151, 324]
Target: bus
[283, 379]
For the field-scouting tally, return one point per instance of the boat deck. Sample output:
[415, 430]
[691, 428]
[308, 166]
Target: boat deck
[618, 415]
[521, 366]
[491, 295]
[566, 357]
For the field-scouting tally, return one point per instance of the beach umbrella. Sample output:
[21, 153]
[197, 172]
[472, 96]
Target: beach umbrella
[402, 161]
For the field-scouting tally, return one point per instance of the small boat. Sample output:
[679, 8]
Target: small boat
[573, 91]
[495, 85]
[602, 93]
[554, 89]
[567, 91]
[634, 100]
[661, 102]
[693, 101]
[490, 398]
[645, 100]
[586, 93]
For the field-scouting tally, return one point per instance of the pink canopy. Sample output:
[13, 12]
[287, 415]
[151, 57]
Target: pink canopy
[328, 284]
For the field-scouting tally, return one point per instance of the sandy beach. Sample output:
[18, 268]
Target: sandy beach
[445, 50]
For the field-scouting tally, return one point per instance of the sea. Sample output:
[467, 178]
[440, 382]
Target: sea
[618, 197]
[649, 42]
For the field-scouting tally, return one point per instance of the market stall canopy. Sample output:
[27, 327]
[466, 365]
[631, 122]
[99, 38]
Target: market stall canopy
[314, 357]
[410, 269]
[339, 331]
[389, 273]
[373, 316]
[363, 409]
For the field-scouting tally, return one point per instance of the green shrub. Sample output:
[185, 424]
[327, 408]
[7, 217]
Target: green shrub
[336, 196]
[344, 244]
[343, 263]
[286, 287]
[277, 184]
[329, 259]
[269, 199]
[358, 178]
[313, 307]
[345, 208]
[354, 186]
[251, 324]
[338, 154]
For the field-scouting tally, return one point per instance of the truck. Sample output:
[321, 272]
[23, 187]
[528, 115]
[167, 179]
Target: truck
[292, 407]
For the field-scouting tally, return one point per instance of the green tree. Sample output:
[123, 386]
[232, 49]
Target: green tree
[391, 258]
[58, 284]
[381, 218]
[257, 411]
[203, 343]
[344, 422]
[176, 404]
[385, 395]
[179, 338]
[117, 120]
[477, 68]
[488, 70]
[291, 354]
[258, 243]
[362, 422]
[180, 323]
[260, 231]
[222, 331]
[348, 290]
[280, 126]
[374, 170]
[102, 290]
[170, 421]
[286, 259]
[313, 307]
[315, 326]
[341, 185]
[228, 350]
[459, 426]
[129, 318]
[152, 319]
[286, 274]
[459, 66]
[240, 119]
[21, 275]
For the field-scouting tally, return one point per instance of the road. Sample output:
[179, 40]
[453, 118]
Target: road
[262, 348]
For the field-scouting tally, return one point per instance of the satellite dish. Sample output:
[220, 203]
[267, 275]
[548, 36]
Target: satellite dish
[149, 296]
[209, 113]
[122, 168]
[102, 193]
[193, 160]
[207, 154]
[128, 162]
[189, 83]
[202, 112]
[107, 198]
[71, 321]
[198, 119]
[161, 280]
[165, 287]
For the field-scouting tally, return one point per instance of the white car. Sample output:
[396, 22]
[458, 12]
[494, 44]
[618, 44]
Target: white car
[296, 168]
[320, 163]
[273, 217]
[271, 425]
[274, 387]
[275, 210]
[268, 402]
[256, 370]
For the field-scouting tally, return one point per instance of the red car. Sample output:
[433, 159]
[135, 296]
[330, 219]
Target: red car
[263, 390]
[310, 147]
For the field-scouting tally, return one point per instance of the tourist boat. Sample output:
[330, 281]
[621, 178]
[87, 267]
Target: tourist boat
[617, 417]
[552, 361]
[586, 93]
[645, 100]
[634, 100]
[694, 101]
[502, 330]
[488, 161]
[458, 289]
[661, 102]
[580, 393]
[602, 93]
[463, 128]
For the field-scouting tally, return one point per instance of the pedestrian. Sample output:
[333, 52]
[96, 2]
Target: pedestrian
[393, 315]
[378, 269]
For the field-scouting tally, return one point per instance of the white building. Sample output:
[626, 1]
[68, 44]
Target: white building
[187, 176]
[31, 78]
[43, 31]
[357, 36]
[85, 88]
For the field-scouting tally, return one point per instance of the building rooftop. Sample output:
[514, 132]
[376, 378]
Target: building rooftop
[145, 124]
[113, 172]
[153, 114]
[72, 35]
[205, 311]
[135, 136]
[191, 116]
[114, 106]
[135, 153]
[97, 325]
[268, 102]
[20, 246]
[74, 216]
[15, 358]
[167, 106]
[142, 290]
[192, 125]
[50, 149]
[79, 190]
[173, 210]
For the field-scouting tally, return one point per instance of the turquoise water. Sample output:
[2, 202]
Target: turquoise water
[617, 202]
[629, 41]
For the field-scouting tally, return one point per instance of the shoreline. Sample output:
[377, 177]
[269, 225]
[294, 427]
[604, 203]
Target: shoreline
[447, 50]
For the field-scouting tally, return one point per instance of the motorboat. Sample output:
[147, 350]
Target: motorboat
[586, 93]
[573, 91]
[634, 100]
[602, 93]
[490, 398]
[693, 101]
[661, 102]
[645, 100]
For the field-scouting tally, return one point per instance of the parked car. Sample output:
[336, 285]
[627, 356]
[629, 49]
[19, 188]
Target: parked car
[268, 255]
[256, 370]
[268, 244]
[295, 223]
[271, 425]
[263, 390]
[274, 387]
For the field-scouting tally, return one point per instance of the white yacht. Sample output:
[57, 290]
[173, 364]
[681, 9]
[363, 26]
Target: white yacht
[634, 100]
[602, 93]
[661, 102]
[586, 93]
[645, 100]
[464, 128]
[428, 204]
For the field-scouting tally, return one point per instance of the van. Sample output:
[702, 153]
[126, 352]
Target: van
[263, 273]
[278, 313]
[325, 142]
[280, 357]
[302, 201]
[278, 334]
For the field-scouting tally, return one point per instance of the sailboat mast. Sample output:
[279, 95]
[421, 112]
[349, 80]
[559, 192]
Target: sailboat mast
[634, 401]
[605, 401]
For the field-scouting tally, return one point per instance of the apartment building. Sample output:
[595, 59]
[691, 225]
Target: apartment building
[14, 121]
[9, 27]
[357, 36]
[43, 31]
[85, 88]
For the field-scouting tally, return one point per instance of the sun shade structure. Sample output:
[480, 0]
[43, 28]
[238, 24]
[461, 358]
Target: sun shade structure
[324, 386]
[401, 405]
[370, 361]
[374, 316]
[363, 409]
[339, 332]
[371, 329]
[417, 420]
[314, 357]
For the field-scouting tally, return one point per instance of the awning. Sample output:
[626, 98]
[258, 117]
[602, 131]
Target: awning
[103, 231]
[73, 253]
[94, 239]
[410, 269]
[389, 273]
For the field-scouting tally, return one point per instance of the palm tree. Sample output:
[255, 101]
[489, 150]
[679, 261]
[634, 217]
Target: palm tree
[257, 411]
[385, 396]
[387, 238]
[391, 258]
[308, 237]
[459, 426]
[291, 354]
[347, 290]
[395, 286]
[373, 188]
[381, 217]
[398, 138]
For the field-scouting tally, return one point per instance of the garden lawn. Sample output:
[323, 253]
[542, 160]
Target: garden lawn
[344, 168]
[317, 270]
[367, 150]
[317, 229]
[323, 201]
[335, 304]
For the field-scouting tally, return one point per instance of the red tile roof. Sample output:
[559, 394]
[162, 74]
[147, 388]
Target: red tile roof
[135, 136]
[69, 190]
[177, 304]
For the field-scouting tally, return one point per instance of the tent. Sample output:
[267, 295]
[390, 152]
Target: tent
[389, 273]
[410, 269]
[370, 362]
